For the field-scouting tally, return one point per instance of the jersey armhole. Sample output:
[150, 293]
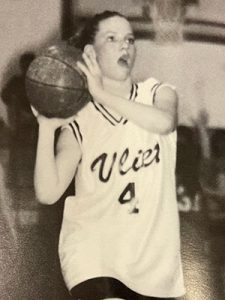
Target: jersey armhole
[157, 87]
[75, 129]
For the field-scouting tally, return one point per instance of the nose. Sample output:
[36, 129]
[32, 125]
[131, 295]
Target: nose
[125, 44]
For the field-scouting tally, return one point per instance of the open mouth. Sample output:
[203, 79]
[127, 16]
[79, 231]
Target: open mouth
[124, 60]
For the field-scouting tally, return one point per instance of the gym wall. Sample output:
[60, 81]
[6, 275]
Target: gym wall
[25, 25]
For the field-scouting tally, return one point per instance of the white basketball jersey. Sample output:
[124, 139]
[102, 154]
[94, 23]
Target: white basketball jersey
[123, 222]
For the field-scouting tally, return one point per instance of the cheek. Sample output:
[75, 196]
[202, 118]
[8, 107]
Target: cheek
[105, 59]
[133, 55]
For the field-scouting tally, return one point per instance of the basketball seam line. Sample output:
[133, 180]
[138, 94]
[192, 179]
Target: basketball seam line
[52, 85]
[65, 63]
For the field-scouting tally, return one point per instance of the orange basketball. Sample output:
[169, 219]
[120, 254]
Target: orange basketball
[55, 86]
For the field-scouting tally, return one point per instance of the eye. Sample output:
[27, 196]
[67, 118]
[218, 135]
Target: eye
[111, 38]
[131, 40]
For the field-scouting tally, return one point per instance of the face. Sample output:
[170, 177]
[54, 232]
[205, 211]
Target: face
[115, 49]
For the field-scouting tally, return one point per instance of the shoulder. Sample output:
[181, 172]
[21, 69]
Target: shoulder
[149, 83]
[158, 87]
[66, 137]
[146, 90]
[166, 92]
[166, 100]
[72, 132]
[158, 91]
[162, 91]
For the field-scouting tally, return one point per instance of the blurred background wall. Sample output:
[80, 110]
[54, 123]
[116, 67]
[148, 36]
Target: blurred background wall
[25, 25]
[196, 68]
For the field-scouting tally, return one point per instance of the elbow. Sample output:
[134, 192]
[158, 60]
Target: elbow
[172, 125]
[45, 193]
[168, 125]
[45, 198]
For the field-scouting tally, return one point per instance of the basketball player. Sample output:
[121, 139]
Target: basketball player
[120, 232]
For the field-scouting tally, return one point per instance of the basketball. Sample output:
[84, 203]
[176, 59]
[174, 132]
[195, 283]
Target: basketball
[54, 85]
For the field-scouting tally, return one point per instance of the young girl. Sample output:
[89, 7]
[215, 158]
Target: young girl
[120, 232]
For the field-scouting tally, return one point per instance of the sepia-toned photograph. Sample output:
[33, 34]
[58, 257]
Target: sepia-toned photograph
[112, 150]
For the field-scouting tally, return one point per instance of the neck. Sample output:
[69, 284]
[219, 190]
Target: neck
[119, 88]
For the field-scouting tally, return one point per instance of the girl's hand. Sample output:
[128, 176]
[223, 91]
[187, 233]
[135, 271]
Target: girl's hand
[51, 123]
[92, 72]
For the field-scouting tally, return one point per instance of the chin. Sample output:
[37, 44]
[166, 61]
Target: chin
[122, 76]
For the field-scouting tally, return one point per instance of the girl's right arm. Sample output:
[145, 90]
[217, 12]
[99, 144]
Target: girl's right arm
[54, 170]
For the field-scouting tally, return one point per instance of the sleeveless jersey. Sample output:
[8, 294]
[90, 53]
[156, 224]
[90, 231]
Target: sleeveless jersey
[123, 221]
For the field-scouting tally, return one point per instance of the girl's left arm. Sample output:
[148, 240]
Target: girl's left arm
[160, 118]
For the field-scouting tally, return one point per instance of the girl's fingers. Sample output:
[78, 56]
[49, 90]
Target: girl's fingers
[88, 61]
[83, 68]
[94, 61]
[91, 62]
